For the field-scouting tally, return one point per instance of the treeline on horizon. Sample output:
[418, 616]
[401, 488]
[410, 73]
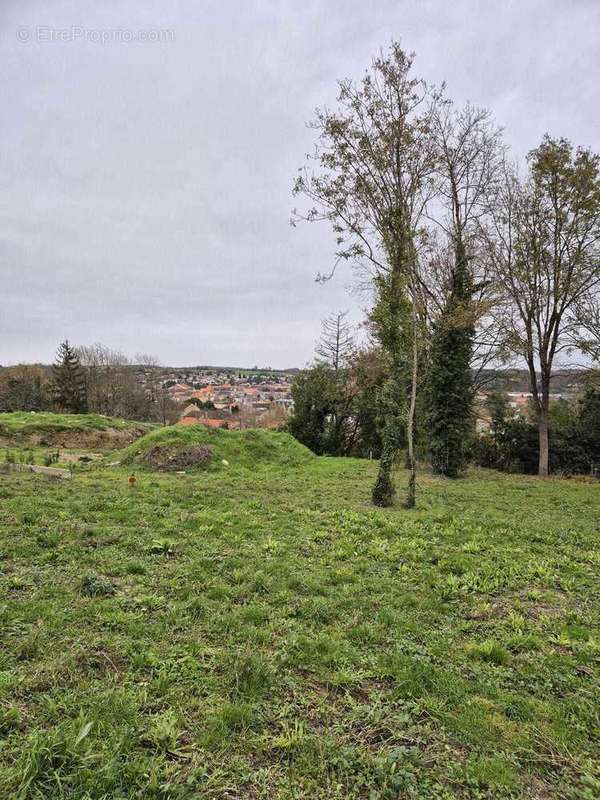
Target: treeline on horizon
[337, 407]
[91, 378]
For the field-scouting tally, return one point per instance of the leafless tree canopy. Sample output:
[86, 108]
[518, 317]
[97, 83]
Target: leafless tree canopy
[114, 387]
[336, 345]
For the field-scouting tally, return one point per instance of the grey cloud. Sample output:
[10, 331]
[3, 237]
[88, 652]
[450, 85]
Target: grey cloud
[147, 185]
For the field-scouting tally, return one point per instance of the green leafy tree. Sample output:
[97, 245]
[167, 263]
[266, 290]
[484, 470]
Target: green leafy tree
[367, 375]
[315, 392]
[375, 162]
[337, 412]
[68, 381]
[546, 254]
[498, 408]
[589, 426]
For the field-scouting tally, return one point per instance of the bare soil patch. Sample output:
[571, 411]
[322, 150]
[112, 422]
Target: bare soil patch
[107, 439]
[171, 459]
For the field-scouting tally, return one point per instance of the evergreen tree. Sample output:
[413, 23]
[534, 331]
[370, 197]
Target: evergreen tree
[68, 381]
[315, 392]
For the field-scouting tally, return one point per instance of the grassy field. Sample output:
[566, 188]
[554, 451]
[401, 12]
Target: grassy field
[264, 633]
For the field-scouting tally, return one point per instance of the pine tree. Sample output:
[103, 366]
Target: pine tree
[68, 381]
[450, 377]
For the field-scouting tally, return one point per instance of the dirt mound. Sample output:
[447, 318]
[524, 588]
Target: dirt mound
[72, 431]
[107, 439]
[165, 458]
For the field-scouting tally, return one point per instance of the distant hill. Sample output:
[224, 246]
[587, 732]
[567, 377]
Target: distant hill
[508, 380]
[216, 368]
[517, 380]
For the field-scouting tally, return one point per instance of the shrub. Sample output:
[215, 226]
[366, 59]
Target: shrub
[574, 441]
[93, 585]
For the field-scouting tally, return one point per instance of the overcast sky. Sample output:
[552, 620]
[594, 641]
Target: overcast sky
[146, 186]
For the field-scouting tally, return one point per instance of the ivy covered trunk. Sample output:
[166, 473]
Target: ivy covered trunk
[411, 495]
[450, 380]
[384, 490]
[388, 317]
[395, 323]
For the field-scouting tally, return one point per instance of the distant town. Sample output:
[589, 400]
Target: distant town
[231, 397]
[227, 397]
[256, 397]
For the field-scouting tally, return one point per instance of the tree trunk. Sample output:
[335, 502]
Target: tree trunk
[411, 495]
[541, 399]
[543, 435]
[384, 490]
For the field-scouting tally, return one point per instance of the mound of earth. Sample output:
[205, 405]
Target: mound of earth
[72, 431]
[164, 457]
[195, 446]
[108, 439]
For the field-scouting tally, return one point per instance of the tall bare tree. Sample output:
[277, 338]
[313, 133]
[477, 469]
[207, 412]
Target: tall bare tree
[106, 373]
[24, 387]
[470, 155]
[164, 409]
[336, 345]
[374, 173]
[120, 386]
[547, 258]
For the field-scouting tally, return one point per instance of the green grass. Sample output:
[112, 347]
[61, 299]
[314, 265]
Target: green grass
[241, 449]
[266, 633]
[24, 423]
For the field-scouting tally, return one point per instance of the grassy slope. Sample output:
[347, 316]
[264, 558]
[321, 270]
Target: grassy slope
[24, 423]
[296, 642]
[244, 448]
